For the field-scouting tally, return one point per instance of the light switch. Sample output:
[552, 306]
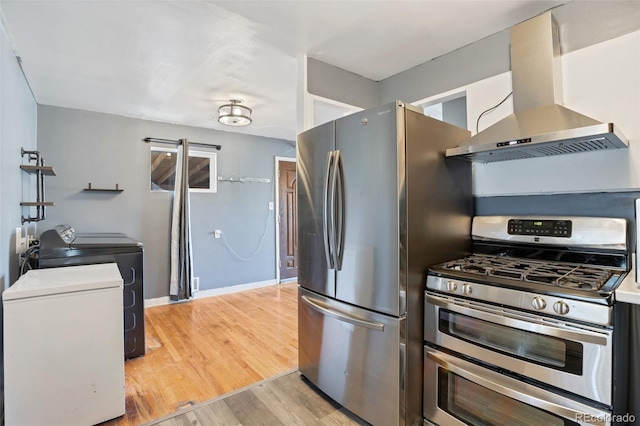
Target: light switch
[270, 205]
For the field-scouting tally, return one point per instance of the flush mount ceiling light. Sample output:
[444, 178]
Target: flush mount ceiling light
[234, 114]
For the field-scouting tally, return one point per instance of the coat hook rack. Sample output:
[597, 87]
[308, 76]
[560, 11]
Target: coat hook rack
[243, 179]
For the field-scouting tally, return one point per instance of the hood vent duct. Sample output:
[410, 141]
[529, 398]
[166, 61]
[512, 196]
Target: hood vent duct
[540, 126]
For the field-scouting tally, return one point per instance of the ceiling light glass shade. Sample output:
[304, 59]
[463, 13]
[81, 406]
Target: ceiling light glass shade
[234, 114]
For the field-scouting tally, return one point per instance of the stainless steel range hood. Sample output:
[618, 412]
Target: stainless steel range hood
[540, 126]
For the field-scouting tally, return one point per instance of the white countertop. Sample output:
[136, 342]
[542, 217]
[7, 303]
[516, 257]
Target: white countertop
[68, 279]
[629, 290]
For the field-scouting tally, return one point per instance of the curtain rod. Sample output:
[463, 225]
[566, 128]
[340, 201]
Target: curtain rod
[178, 142]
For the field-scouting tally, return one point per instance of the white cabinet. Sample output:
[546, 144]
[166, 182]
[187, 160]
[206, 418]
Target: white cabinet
[63, 346]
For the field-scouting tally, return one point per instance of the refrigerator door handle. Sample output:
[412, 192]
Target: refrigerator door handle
[342, 316]
[338, 213]
[326, 205]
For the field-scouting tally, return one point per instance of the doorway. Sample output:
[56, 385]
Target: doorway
[286, 220]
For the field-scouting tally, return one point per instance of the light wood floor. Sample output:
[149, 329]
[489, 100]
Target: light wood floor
[208, 347]
[283, 401]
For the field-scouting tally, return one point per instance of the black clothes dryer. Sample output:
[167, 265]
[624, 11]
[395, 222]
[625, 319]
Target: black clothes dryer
[62, 246]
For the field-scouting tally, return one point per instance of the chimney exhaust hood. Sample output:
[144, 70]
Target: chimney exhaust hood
[540, 126]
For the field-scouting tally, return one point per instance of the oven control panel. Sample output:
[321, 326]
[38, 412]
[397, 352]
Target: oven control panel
[472, 295]
[540, 227]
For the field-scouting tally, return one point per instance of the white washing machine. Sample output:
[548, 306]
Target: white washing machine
[63, 346]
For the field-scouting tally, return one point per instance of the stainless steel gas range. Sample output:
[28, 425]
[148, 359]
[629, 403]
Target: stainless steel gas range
[525, 331]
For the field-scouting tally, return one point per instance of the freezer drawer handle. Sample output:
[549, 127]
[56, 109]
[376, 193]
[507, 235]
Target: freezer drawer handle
[342, 316]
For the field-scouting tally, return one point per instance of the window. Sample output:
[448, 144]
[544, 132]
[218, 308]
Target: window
[202, 170]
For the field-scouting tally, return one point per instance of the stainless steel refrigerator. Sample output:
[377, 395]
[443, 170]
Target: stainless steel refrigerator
[377, 204]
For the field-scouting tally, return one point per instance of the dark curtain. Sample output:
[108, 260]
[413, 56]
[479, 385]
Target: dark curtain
[181, 260]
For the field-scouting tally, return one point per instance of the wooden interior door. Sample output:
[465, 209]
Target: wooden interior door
[287, 220]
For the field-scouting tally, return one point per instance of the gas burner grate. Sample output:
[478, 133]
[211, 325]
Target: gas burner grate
[579, 277]
[551, 273]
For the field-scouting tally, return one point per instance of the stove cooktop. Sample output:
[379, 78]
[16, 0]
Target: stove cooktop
[577, 277]
[575, 257]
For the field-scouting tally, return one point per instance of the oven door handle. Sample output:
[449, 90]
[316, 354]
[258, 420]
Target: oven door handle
[525, 393]
[521, 322]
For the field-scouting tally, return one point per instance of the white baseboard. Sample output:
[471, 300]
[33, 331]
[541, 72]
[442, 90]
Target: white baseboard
[165, 300]
[233, 289]
[157, 301]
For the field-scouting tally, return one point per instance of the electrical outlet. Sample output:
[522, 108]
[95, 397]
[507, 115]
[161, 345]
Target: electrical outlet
[217, 233]
[196, 283]
[21, 243]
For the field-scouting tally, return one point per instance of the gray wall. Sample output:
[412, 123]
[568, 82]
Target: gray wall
[477, 61]
[581, 24]
[455, 112]
[18, 114]
[106, 149]
[335, 83]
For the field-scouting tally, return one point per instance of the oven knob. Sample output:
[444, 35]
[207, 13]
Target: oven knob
[538, 303]
[452, 286]
[466, 289]
[561, 308]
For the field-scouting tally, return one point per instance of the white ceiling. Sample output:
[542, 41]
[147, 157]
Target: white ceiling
[177, 61]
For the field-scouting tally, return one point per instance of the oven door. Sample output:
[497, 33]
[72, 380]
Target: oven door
[458, 392]
[574, 358]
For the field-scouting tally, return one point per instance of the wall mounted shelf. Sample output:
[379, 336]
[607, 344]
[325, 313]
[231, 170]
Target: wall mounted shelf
[45, 170]
[38, 169]
[90, 189]
[37, 203]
